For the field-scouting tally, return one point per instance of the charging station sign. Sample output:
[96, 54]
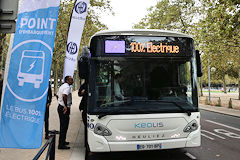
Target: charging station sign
[24, 101]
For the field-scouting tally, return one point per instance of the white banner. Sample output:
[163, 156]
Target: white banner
[79, 15]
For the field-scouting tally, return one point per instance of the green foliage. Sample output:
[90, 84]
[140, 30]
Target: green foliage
[92, 25]
[3, 48]
[215, 26]
[218, 36]
[171, 15]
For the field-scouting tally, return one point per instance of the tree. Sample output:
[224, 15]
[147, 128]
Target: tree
[178, 15]
[92, 25]
[171, 15]
[218, 36]
[2, 53]
[214, 26]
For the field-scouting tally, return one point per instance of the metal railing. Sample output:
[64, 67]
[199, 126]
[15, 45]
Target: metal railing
[51, 149]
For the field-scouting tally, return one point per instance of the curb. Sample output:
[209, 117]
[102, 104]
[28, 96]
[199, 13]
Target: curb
[225, 111]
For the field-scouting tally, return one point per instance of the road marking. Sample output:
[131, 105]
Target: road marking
[213, 134]
[204, 135]
[190, 155]
[227, 133]
[220, 124]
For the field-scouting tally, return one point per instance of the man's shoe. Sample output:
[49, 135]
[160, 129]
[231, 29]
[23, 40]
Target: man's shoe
[63, 147]
[66, 143]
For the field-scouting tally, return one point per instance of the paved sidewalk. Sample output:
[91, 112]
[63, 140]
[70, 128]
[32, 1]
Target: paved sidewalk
[224, 97]
[74, 136]
[222, 110]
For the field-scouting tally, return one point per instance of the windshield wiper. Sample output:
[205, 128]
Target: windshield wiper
[115, 110]
[103, 115]
[112, 103]
[112, 111]
[179, 106]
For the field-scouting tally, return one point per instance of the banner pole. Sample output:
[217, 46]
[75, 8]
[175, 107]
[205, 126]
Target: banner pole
[75, 30]
[6, 68]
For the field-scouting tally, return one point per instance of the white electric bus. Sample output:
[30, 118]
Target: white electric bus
[142, 91]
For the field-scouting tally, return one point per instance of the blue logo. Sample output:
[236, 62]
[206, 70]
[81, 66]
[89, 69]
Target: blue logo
[81, 7]
[148, 125]
[28, 66]
[72, 48]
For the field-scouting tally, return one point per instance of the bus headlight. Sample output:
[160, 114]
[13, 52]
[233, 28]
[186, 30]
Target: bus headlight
[102, 130]
[192, 126]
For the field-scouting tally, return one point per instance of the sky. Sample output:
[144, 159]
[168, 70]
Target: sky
[127, 13]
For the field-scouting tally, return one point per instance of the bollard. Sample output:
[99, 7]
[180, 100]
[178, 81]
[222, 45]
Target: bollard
[230, 103]
[53, 144]
[219, 102]
[207, 102]
[51, 149]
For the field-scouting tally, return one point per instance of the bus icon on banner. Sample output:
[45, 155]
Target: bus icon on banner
[31, 68]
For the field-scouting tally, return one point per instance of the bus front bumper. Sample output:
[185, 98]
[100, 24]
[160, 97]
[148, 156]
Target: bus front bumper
[102, 145]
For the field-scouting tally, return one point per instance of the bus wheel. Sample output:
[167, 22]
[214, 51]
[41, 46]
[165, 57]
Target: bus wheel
[88, 154]
[88, 150]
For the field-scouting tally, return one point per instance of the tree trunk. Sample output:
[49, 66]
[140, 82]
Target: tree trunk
[55, 75]
[224, 84]
[2, 38]
[239, 78]
[201, 91]
[77, 81]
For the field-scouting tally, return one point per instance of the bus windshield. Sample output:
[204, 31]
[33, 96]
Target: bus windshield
[143, 85]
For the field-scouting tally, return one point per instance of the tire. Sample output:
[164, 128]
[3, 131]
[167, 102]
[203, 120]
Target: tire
[88, 154]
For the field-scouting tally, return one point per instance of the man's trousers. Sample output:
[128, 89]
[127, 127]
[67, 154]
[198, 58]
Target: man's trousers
[64, 122]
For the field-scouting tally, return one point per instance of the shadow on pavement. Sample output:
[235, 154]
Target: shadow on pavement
[173, 154]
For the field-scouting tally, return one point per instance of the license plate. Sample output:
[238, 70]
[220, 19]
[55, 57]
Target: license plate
[149, 146]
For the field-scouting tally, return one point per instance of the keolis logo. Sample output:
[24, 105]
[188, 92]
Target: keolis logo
[149, 125]
[81, 7]
[72, 48]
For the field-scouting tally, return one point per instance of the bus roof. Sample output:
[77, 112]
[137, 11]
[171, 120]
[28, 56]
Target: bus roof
[142, 32]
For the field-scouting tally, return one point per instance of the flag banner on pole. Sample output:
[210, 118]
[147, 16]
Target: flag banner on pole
[24, 101]
[78, 18]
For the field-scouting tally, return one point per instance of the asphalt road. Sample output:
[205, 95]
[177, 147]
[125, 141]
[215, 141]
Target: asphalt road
[220, 137]
[220, 141]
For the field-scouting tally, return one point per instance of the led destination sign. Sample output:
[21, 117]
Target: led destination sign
[152, 48]
[122, 45]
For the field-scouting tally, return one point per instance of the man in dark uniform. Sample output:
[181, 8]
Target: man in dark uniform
[83, 91]
[83, 104]
[64, 97]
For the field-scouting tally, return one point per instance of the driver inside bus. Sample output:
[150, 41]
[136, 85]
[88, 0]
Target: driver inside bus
[117, 90]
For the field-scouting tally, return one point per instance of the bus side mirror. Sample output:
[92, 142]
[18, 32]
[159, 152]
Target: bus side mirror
[83, 64]
[199, 64]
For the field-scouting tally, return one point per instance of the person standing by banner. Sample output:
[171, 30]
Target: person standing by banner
[49, 100]
[64, 97]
